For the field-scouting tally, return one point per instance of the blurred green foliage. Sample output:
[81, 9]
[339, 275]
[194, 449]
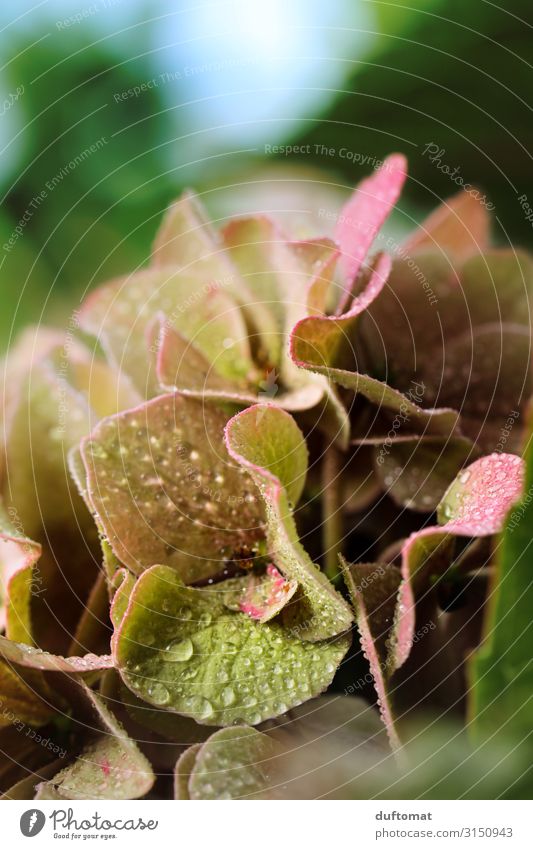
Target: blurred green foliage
[453, 73]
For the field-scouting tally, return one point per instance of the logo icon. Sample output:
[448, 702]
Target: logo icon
[32, 822]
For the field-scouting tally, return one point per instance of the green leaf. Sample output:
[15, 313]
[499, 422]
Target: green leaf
[110, 767]
[270, 446]
[33, 658]
[106, 389]
[48, 418]
[234, 763]
[182, 772]
[123, 583]
[170, 728]
[501, 671]
[164, 488]
[181, 366]
[181, 649]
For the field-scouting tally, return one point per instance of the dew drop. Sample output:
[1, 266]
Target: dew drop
[159, 694]
[228, 696]
[179, 651]
[203, 708]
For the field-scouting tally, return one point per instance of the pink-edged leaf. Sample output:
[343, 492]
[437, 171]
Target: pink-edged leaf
[33, 658]
[267, 442]
[361, 218]
[187, 241]
[317, 339]
[458, 332]
[315, 343]
[18, 556]
[180, 365]
[261, 597]
[120, 314]
[373, 589]
[164, 488]
[478, 500]
[320, 257]
[459, 226]
[475, 505]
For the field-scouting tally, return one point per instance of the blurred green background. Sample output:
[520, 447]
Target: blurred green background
[108, 108]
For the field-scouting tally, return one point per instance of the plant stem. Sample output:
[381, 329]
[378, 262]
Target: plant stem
[332, 524]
